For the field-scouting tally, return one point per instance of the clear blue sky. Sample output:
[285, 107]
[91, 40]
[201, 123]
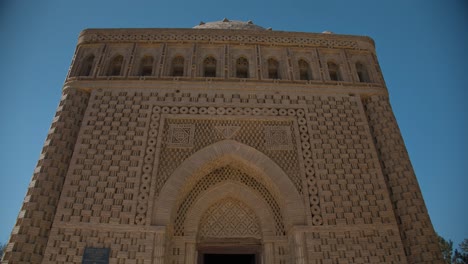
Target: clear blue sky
[422, 47]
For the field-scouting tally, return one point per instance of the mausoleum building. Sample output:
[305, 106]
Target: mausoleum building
[223, 143]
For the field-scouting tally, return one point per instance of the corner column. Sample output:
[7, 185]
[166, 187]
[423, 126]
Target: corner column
[418, 236]
[29, 237]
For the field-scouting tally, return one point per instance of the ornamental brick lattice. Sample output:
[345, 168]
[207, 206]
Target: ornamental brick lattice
[228, 138]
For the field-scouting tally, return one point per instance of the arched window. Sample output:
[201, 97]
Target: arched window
[209, 67]
[146, 66]
[177, 66]
[362, 73]
[115, 66]
[242, 68]
[87, 66]
[304, 70]
[334, 71]
[273, 67]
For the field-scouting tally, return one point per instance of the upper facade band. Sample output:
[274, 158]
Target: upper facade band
[226, 50]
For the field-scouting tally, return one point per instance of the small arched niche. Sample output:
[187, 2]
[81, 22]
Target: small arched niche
[86, 68]
[115, 66]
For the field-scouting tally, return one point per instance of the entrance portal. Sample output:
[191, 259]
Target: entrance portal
[246, 252]
[229, 259]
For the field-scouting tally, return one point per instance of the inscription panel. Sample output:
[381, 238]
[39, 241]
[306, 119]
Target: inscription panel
[96, 256]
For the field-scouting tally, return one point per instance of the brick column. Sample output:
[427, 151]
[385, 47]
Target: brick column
[31, 232]
[299, 247]
[417, 233]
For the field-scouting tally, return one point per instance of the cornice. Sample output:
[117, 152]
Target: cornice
[219, 36]
[325, 88]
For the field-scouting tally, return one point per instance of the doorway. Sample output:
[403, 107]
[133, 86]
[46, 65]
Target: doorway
[230, 251]
[229, 258]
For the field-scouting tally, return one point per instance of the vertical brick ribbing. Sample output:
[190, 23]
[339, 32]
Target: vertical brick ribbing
[30, 234]
[419, 238]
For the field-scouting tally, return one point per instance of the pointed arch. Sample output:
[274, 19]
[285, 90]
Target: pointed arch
[235, 191]
[87, 66]
[334, 71]
[115, 66]
[242, 67]
[362, 73]
[220, 154]
[273, 69]
[304, 70]
[177, 66]
[209, 67]
[146, 65]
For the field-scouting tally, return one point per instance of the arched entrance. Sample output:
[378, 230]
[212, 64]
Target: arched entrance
[230, 201]
[229, 232]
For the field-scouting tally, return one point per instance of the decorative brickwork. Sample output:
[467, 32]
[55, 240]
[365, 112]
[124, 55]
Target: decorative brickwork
[171, 141]
[227, 37]
[126, 247]
[221, 175]
[229, 218]
[205, 133]
[31, 233]
[419, 238]
[104, 175]
[180, 136]
[278, 138]
[352, 190]
[366, 245]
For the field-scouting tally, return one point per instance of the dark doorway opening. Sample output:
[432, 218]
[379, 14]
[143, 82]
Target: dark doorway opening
[229, 258]
[229, 251]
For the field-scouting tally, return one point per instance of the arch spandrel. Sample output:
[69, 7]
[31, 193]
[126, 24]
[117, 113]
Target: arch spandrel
[217, 155]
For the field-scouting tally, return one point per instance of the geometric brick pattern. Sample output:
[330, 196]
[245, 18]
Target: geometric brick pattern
[225, 37]
[351, 188]
[126, 247]
[147, 168]
[221, 175]
[419, 238]
[180, 136]
[229, 218]
[205, 133]
[224, 150]
[31, 232]
[339, 165]
[105, 170]
[278, 138]
[364, 245]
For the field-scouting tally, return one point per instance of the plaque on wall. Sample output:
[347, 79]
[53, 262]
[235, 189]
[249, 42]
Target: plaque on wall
[96, 256]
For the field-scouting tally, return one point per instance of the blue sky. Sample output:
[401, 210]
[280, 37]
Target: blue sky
[422, 46]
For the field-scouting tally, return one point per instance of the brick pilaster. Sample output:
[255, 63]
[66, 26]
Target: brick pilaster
[31, 232]
[417, 233]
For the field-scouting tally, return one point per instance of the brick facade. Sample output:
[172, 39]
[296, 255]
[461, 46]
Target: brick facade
[170, 143]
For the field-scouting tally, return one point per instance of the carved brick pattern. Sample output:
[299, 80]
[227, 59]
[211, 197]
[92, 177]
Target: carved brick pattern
[229, 218]
[356, 246]
[282, 255]
[278, 138]
[250, 133]
[67, 245]
[176, 253]
[147, 169]
[311, 180]
[226, 37]
[221, 175]
[227, 132]
[346, 168]
[416, 230]
[29, 237]
[103, 180]
[180, 135]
